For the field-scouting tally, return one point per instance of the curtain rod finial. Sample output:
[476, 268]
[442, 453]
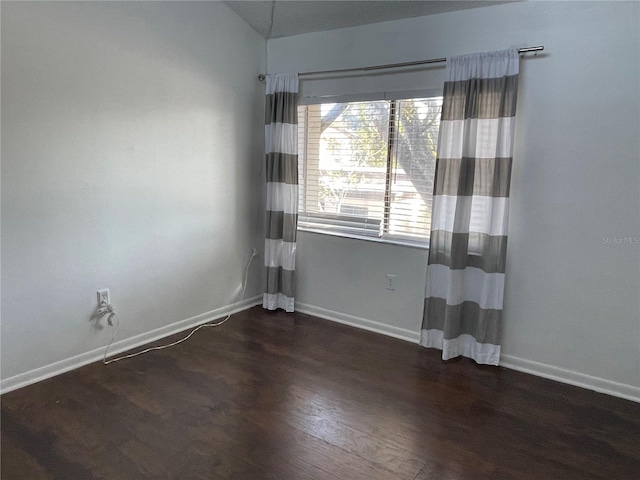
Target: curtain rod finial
[262, 77]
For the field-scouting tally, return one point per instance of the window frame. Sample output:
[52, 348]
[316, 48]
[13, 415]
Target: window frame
[332, 230]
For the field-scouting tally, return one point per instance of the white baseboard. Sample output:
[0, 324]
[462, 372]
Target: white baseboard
[372, 326]
[622, 390]
[628, 392]
[62, 366]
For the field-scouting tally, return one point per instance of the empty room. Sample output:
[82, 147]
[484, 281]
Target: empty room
[394, 240]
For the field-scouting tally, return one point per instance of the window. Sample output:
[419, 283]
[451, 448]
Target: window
[367, 168]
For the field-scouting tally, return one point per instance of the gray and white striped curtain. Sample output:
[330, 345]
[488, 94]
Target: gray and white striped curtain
[467, 254]
[281, 151]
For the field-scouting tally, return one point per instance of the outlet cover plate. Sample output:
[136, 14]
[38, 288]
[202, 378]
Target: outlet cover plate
[391, 282]
[103, 296]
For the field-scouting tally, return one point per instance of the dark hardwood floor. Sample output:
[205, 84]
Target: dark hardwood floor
[278, 396]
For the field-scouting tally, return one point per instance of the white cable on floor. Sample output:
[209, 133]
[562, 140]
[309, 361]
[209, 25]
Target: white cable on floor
[160, 347]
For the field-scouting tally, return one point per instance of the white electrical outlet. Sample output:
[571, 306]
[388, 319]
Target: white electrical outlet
[391, 282]
[103, 296]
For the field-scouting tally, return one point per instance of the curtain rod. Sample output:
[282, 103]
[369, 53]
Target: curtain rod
[261, 77]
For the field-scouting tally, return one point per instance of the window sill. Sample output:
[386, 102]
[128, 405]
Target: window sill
[386, 240]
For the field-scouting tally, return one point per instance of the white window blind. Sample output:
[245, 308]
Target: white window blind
[367, 168]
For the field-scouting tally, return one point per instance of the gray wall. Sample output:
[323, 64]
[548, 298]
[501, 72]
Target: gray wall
[131, 159]
[572, 308]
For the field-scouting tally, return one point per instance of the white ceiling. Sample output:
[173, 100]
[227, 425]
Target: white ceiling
[291, 17]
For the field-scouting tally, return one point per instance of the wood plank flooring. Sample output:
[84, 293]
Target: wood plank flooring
[279, 396]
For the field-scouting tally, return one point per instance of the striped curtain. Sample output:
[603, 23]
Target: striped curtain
[467, 254]
[281, 150]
